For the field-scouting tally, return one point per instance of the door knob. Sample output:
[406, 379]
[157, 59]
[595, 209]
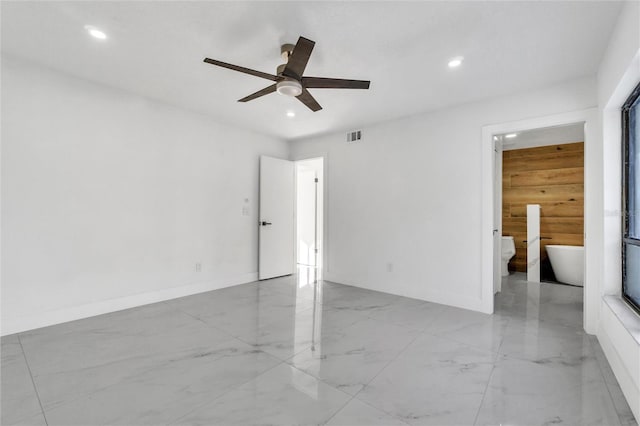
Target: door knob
[263, 223]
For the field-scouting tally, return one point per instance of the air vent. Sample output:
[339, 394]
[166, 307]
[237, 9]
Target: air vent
[354, 136]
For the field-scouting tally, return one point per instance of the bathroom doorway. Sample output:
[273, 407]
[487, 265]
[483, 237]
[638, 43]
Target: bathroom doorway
[543, 167]
[493, 135]
[309, 219]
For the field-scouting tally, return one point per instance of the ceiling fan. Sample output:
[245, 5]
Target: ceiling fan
[289, 79]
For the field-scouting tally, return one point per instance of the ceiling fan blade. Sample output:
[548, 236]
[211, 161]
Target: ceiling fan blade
[306, 98]
[259, 93]
[333, 83]
[241, 69]
[299, 58]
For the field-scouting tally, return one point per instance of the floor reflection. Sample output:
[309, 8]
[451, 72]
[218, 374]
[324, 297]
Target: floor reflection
[305, 351]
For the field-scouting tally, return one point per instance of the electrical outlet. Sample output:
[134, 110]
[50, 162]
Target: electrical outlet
[246, 211]
[198, 267]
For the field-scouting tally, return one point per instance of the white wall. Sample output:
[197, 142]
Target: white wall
[109, 199]
[618, 74]
[404, 204]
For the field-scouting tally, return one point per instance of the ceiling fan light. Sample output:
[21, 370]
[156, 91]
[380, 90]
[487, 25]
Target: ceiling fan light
[289, 88]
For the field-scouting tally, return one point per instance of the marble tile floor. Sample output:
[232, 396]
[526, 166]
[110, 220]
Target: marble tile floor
[265, 353]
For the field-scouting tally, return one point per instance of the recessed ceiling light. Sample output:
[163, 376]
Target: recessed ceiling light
[291, 114]
[511, 135]
[455, 62]
[94, 32]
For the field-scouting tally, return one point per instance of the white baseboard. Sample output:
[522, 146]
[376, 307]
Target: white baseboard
[58, 316]
[455, 300]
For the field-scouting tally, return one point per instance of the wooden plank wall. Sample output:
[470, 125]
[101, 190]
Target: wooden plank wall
[552, 176]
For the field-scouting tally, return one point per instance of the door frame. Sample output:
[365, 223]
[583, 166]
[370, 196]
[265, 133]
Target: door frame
[497, 215]
[593, 201]
[325, 209]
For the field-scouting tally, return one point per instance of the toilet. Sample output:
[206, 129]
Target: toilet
[508, 251]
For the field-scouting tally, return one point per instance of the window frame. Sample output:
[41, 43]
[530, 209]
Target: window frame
[626, 239]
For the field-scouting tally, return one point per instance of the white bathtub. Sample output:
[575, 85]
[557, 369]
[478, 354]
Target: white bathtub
[567, 263]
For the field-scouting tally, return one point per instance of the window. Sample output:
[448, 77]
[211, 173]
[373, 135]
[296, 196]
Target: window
[631, 200]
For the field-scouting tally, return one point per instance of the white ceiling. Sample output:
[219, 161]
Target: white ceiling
[156, 49]
[556, 135]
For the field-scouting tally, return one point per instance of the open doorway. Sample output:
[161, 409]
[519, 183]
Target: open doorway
[540, 203]
[309, 219]
[491, 201]
[543, 167]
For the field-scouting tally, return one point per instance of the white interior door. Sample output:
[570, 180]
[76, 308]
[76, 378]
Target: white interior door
[277, 227]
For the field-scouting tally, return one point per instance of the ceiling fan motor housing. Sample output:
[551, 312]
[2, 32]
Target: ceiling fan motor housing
[285, 51]
[287, 86]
